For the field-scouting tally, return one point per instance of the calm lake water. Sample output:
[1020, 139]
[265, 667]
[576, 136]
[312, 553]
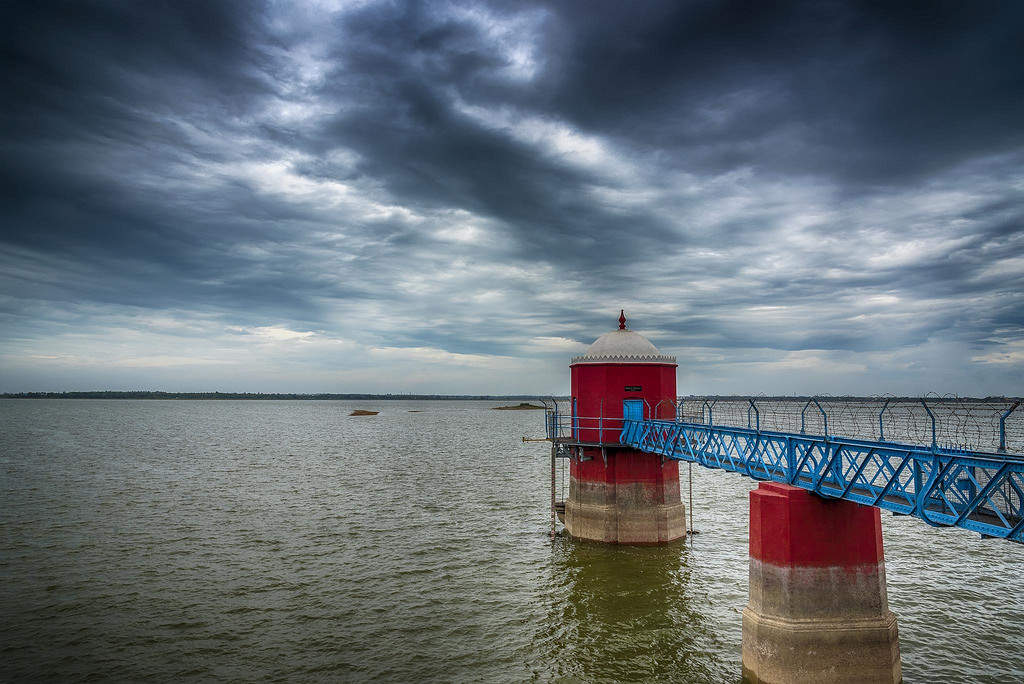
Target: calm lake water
[252, 540]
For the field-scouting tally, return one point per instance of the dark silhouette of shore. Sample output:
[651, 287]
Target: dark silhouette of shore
[111, 394]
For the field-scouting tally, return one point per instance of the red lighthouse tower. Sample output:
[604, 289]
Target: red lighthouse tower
[618, 494]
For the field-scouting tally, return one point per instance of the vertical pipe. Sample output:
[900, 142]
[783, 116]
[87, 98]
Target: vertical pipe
[918, 484]
[790, 461]
[881, 430]
[932, 416]
[553, 446]
[689, 479]
[824, 416]
[600, 424]
[575, 421]
[1002, 425]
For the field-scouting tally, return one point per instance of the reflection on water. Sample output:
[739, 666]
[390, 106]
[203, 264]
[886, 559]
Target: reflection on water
[614, 612]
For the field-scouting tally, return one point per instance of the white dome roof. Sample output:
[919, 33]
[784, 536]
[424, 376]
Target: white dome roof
[624, 346]
[621, 343]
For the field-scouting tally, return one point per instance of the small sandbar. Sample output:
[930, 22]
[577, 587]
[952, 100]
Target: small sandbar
[525, 406]
[361, 412]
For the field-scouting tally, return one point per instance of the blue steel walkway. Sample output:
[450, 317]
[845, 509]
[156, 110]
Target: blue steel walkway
[978, 491]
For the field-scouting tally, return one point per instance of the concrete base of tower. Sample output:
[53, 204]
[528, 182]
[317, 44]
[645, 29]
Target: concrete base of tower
[778, 650]
[631, 499]
[818, 609]
[613, 525]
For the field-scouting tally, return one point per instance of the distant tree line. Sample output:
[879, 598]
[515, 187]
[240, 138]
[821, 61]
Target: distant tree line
[111, 394]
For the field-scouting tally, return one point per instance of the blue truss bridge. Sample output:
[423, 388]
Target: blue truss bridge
[950, 462]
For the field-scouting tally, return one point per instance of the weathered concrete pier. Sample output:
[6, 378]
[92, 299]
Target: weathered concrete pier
[818, 610]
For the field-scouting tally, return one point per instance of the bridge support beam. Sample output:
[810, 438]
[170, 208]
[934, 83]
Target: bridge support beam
[818, 610]
[631, 499]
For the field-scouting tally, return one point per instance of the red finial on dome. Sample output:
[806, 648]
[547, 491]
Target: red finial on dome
[622, 319]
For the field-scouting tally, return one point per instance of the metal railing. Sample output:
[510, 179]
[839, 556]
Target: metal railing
[979, 491]
[949, 461]
[993, 425]
[563, 423]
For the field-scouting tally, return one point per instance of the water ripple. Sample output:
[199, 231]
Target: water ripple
[239, 541]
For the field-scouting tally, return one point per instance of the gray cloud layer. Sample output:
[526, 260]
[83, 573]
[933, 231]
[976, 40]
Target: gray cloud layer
[456, 196]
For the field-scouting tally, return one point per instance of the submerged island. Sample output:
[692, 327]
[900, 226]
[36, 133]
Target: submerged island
[524, 406]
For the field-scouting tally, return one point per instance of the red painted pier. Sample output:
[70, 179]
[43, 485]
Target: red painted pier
[818, 610]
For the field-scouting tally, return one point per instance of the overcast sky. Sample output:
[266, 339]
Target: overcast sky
[457, 197]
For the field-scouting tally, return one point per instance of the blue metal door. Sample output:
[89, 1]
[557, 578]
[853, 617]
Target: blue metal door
[633, 409]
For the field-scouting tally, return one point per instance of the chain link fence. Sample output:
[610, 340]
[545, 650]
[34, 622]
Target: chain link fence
[991, 424]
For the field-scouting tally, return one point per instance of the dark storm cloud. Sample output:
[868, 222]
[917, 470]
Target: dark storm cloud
[398, 73]
[872, 92]
[877, 92]
[471, 177]
[97, 93]
[869, 94]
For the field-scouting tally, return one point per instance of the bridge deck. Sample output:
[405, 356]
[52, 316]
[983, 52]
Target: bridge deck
[978, 491]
